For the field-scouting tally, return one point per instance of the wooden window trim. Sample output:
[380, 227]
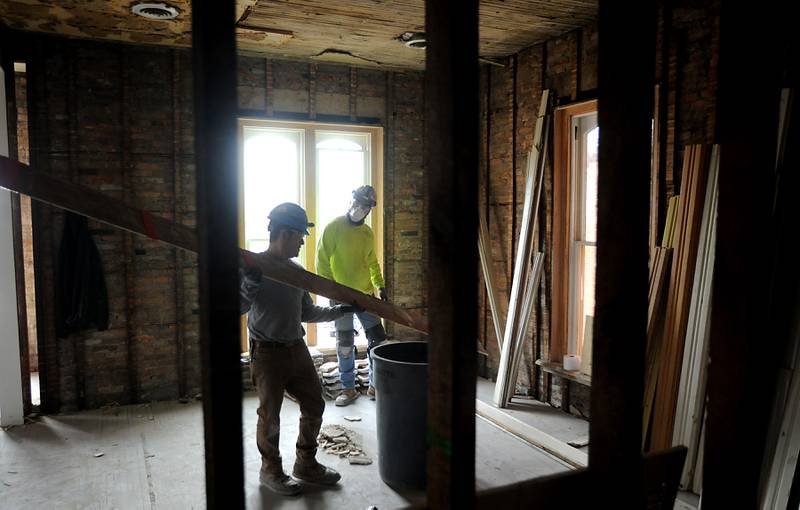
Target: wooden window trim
[562, 218]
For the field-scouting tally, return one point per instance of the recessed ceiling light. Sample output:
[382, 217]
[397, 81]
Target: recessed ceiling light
[414, 40]
[155, 10]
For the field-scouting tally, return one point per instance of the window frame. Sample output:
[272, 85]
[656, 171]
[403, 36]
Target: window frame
[563, 222]
[309, 188]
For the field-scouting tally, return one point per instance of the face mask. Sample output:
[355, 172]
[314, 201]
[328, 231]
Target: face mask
[358, 213]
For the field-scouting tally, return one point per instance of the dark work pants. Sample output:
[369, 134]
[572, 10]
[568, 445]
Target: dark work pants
[275, 368]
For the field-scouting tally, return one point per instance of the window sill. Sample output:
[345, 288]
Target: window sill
[558, 370]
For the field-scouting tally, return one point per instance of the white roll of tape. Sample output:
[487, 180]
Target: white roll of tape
[572, 363]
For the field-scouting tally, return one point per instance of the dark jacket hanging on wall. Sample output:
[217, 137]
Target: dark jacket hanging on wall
[81, 285]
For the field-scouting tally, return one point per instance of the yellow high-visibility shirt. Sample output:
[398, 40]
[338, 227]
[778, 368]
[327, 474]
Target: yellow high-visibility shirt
[346, 255]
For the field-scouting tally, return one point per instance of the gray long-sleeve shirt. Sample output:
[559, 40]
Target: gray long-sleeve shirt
[277, 310]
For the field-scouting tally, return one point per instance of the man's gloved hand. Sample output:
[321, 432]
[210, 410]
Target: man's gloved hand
[383, 294]
[354, 308]
[248, 271]
[252, 274]
[343, 309]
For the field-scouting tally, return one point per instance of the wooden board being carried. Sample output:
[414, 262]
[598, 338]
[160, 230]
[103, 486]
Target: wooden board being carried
[23, 179]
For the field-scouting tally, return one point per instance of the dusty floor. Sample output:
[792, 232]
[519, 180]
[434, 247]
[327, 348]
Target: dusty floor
[151, 456]
[562, 426]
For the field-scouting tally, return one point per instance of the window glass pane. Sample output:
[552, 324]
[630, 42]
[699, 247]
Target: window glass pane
[339, 144]
[584, 311]
[590, 186]
[584, 230]
[272, 175]
[342, 166]
[340, 170]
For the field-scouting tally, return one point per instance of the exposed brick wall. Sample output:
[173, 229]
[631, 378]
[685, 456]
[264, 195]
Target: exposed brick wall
[511, 95]
[509, 103]
[694, 41]
[393, 100]
[23, 155]
[406, 245]
[118, 118]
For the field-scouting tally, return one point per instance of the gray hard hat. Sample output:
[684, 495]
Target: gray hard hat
[292, 216]
[365, 195]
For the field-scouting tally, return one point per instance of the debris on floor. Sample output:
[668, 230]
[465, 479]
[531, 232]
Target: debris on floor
[341, 441]
[328, 367]
[32, 418]
[352, 418]
[329, 376]
[99, 454]
[360, 460]
[579, 442]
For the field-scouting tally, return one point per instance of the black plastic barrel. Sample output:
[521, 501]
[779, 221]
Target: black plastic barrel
[400, 372]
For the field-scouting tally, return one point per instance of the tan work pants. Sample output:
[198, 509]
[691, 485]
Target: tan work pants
[275, 368]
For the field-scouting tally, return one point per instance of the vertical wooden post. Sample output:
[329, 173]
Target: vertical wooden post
[40, 120]
[177, 217]
[7, 63]
[214, 58]
[625, 97]
[741, 319]
[128, 243]
[451, 164]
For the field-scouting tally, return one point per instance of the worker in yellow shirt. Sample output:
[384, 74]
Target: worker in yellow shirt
[346, 255]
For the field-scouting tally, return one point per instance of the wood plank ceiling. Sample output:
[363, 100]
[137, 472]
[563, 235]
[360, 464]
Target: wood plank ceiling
[359, 32]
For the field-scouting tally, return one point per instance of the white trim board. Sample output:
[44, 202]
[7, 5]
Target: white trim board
[690, 406]
[522, 430]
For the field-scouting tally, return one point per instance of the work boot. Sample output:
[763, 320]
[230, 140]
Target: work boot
[371, 392]
[347, 397]
[314, 472]
[280, 483]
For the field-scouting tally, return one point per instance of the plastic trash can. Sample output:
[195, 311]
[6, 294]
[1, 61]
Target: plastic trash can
[400, 371]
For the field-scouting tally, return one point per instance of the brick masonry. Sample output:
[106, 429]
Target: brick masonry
[21, 103]
[509, 103]
[118, 118]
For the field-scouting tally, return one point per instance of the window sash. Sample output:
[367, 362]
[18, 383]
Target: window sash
[568, 231]
[370, 138]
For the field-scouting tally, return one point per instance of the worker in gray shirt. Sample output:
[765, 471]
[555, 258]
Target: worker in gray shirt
[279, 358]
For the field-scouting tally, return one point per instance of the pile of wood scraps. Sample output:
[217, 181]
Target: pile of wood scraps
[689, 424]
[656, 305]
[680, 286]
[527, 267]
